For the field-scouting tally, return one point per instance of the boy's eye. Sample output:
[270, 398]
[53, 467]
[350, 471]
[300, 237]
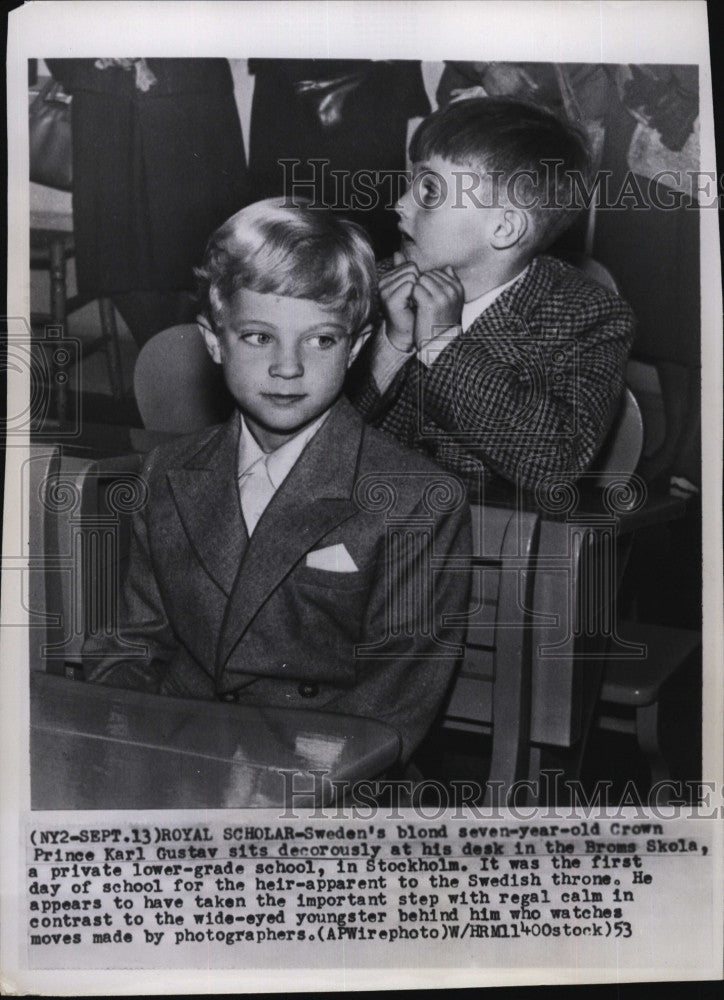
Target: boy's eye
[255, 338]
[323, 340]
[428, 186]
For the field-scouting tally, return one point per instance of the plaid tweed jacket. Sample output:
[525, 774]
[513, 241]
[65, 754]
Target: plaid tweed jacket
[529, 389]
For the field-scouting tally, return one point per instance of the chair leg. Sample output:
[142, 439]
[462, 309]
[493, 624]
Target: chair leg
[109, 331]
[59, 379]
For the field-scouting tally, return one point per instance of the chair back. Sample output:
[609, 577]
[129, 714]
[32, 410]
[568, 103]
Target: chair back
[178, 387]
[597, 272]
[523, 677]
[80, 513]
[622, 449]
[492, 691]
[61, 491]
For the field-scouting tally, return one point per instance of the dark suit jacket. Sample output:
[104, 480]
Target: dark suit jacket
[154, 173]
[211, 611]
[368, 140]
[530, 388]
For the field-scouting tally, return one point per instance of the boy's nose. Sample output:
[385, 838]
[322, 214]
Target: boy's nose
[286, 364]
[402, 205]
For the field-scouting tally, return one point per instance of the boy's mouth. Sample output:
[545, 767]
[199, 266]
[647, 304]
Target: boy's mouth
[284, 398]
[406, 242]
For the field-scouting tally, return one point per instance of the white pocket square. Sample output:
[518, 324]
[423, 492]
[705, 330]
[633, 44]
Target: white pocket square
[335, 558]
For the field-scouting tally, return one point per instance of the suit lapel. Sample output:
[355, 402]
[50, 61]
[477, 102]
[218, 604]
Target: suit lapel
[206, 495]
[313, 499]
[509, 313]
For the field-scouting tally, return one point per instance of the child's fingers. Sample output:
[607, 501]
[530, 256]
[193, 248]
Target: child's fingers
[451, 273]
[446, 273]
[426, 290]
[447, 284]
[438, 283]
[408, 267]
[393, 287]
[398, 258]
[399, 302]
[446, 279]
[394, 279]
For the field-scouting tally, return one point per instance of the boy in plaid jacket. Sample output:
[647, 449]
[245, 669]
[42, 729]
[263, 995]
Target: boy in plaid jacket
[493, 359]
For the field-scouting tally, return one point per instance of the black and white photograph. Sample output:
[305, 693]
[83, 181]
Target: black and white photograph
[363, 430]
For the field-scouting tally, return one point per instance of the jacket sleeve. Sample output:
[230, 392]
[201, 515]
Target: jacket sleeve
[362, 390]
[524, 404]
[532, 406]
[409, 651]
[134, 652]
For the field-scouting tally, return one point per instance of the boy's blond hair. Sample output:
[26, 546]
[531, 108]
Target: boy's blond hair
[284, 247]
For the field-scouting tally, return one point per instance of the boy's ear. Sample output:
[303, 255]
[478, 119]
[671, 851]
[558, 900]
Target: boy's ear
[210, 338]
[359, 343]
[510, 228]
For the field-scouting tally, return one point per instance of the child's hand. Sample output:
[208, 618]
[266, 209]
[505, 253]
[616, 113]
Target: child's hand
[396, 294]
[439, 297]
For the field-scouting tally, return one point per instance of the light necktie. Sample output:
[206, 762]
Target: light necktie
[255, 491]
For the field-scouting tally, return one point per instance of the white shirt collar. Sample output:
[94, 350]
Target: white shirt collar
[473, 308]
[279, 462]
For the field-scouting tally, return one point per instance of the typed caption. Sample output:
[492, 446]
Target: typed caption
[149, 895]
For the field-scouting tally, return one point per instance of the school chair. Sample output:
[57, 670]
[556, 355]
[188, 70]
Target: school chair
[79, 533]
[667, 392]
[491, 693]
[178, 387]
[621, 451]
[631, 692]
[538, 710]
[631, 688]
[45, 589]
[50, 248]
[599, 273]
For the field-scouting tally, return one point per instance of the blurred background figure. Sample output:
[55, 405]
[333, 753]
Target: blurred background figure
[158, 164]
[352, 113]
[654, 250]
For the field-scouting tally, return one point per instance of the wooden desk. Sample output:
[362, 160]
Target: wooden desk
[105, 442]
[93, 747]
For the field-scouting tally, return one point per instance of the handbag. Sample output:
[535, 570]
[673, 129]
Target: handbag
[51, 158]
[326, 98]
